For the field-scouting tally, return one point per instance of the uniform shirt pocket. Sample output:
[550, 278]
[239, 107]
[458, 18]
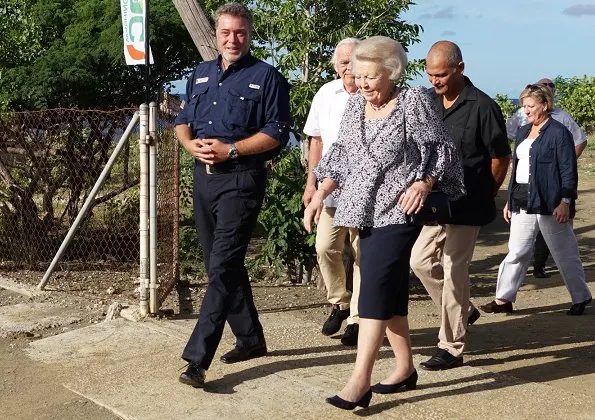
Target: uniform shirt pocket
[242, 108]
[198, 106]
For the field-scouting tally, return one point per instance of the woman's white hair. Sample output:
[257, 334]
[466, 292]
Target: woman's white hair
[382, 50]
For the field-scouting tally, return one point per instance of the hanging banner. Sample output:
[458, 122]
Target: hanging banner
[133, 25]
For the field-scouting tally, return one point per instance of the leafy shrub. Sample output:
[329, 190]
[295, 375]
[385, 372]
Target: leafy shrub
[288, 245]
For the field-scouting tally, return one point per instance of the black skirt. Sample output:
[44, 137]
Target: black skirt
[384, 269]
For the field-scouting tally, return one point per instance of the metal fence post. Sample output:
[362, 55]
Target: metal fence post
[144, 210]
[153, 306]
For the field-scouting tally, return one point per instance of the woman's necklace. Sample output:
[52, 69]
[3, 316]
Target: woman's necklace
[390, 98]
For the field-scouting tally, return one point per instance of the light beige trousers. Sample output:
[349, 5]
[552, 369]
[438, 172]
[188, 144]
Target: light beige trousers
[330, 242]
[440, 259]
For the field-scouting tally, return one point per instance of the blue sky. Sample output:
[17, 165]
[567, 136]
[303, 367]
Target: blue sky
[507, 44]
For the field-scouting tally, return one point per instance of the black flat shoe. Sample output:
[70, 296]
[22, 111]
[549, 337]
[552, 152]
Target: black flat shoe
[408, 383]
[333, 324]
[539, 272]
[495, 308]
[240, 354]
[442, 360]
[349, 337]
[578, 308]
[473, 315]
[339, 402]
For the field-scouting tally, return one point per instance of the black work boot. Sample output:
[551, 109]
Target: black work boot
[193, 376]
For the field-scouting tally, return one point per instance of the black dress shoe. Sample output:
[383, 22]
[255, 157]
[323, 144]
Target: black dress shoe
[239, 354]
[334, 321]
[408, 383]
[193, 376]
[495, 308]
[349, 337]
[539, 272]
[578, 308]
[442, 360]
[473, 315]
[339, 402]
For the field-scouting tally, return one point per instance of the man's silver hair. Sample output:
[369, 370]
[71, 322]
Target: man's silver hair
[346, 41]
[234, 9]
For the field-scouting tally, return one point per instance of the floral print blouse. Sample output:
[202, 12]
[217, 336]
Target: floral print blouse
[374, 161]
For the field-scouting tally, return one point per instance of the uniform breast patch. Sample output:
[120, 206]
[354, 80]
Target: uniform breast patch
[201, 80]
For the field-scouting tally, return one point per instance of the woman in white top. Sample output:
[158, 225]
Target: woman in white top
[542, 193]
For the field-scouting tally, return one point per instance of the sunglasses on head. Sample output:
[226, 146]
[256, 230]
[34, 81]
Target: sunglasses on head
[536, 85]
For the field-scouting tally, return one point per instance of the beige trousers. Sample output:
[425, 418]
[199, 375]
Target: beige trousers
[440, 259]
[330, 241]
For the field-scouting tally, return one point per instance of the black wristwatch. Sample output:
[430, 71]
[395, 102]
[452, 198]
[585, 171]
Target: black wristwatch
[233, 151]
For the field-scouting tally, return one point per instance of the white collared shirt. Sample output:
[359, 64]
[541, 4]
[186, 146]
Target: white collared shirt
[324, 118]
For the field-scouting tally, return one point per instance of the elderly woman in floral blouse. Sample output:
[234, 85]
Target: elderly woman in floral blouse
[391, 150]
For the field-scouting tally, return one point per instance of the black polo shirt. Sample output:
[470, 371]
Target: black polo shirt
[249, 96]
[478, 129]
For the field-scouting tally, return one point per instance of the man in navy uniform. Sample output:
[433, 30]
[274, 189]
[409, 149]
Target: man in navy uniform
[236, 117]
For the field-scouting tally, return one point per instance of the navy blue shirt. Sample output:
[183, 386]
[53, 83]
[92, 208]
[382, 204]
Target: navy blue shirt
[231, 104]
[552, 169]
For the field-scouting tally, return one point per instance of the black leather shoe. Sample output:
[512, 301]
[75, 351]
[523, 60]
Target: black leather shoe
[408, 383]
[339, 402]
[539, 272]
[240, 354]
[193, 376]
[473, 315]
[334, 321]
[578, 308]
[495, 308]
[442, 360]
[349, 337]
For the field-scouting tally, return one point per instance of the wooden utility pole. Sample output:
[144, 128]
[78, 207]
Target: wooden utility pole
[199, 27]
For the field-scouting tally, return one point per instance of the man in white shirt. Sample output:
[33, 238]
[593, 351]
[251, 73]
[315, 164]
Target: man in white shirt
[322, 125]
[519, 119]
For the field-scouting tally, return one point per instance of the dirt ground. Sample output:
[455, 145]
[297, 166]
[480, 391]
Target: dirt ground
[32, 390]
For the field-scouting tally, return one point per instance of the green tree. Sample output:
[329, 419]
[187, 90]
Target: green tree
[20, 40]
[298, 37]
[506, 105]
[79, 60]
[577, 97]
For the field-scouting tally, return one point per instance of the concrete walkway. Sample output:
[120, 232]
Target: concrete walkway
[132, 369]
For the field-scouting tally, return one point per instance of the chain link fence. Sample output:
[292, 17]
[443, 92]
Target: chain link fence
[49, 162]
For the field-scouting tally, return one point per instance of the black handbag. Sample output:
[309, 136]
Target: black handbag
[436, 210]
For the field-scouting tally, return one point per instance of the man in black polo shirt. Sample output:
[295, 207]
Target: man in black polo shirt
[236, 117]
[442, 254]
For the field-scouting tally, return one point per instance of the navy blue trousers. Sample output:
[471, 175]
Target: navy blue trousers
[226, 207]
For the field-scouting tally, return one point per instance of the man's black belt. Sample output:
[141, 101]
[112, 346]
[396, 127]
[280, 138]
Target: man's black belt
[230, 166]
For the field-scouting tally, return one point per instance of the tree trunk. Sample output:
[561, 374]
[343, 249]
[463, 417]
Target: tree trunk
[198, 26]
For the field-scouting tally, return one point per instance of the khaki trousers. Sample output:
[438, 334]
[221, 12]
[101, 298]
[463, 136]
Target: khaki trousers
[440, 259]
[330, 242]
